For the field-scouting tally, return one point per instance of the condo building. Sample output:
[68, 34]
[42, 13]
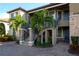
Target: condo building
[66, 15]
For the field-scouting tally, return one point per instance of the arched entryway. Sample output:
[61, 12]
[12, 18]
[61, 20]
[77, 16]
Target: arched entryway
[2, 29]
[6, 25]
[48, 35]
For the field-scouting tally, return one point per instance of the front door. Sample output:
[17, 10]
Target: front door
[66, 34]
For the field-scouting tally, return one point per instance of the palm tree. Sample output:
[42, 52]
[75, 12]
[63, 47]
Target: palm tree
[16, 23]
[40, 19]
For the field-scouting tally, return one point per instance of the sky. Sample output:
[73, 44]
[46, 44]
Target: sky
[4, 7]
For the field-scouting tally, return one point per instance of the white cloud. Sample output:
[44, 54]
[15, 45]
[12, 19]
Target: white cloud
[4, 15]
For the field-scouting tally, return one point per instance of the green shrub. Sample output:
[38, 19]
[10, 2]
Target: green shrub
[50, 40]
[3, 39]
[37, 43]
[6, 38]
[75, 40]
[10, 38]
[46, 44]
[2, 29]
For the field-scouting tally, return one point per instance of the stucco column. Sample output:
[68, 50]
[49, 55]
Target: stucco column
[70, 40]
[53, 36]
[46, 38]
[30, 42]
[42, 38]
[20, 33]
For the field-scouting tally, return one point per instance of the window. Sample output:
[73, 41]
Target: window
[66, 15]
[12, 15]
[16, 13]
[59, 32]
[59, 17]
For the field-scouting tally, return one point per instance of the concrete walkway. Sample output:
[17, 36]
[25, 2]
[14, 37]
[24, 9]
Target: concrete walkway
[12, 49]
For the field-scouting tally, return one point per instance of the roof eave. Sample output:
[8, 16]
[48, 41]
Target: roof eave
[17, 9]
[52, 6]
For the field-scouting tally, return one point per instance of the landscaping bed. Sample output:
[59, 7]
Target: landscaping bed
[37, 43]
[74, 47]
[6, 38]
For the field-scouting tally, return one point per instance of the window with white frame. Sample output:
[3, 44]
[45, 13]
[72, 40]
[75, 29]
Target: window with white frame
[16, 13]
[59, 15]
[12, 15]
[66, 15]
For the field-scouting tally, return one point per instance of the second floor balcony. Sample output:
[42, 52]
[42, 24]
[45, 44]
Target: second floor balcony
[61, 17]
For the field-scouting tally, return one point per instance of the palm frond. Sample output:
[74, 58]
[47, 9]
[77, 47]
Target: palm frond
[17, 22]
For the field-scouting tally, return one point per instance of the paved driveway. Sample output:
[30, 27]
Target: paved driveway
[12, 49]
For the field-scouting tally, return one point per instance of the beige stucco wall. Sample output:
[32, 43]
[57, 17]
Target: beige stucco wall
[6, 24]
[74, 7]
[22, 13]
[74, 19]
